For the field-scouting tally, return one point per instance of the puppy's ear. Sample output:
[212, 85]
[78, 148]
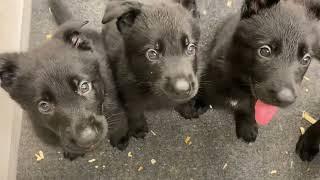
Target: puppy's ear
[190, 5]
[251, 7]
[71, 33]
[8, 69]
[125, 11]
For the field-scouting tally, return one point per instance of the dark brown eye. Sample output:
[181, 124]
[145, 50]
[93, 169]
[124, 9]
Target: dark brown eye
[44, 107]
[306, 59]
[191, 50]
[84, 88]
[265, 51]
[152, 55]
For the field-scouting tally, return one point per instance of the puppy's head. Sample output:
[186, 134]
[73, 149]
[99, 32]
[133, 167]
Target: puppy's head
[60, 86]
[161, 45]
[273, 40]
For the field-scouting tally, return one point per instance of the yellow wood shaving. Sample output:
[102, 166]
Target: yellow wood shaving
[39, 156]
[130, 154]
[49, 36]
[306, 78]
[153, 161]
[273, 172]
[308, 117]
[91, 160]
[302, 130]
[187, 140]
[140, 168]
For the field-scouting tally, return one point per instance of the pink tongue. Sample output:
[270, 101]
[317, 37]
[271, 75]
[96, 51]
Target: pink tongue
[264, 112]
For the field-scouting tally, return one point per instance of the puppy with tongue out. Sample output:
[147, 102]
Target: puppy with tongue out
[256, 61]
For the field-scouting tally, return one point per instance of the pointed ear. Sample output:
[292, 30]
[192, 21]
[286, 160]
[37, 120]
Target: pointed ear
[251, 7]
[8, 69]
[71, 33]
[125, 11]
[190, 5]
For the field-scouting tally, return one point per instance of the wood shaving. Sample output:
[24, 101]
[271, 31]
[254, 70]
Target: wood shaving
[140, 168]
[153, 133]
[187, 140]
[96, 167]
[307, 90]
[274, 172]
[302, 130]
[91, 160]
[153, 161]
[103, 166]
[306, 78]
[130, 154]
[39, 156]
[308, 117]
[229, 3]
[49, 36]
[225, 166]
[210, 106]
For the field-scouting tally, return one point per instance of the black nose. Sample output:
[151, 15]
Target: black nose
[182, 87]
[286, 95]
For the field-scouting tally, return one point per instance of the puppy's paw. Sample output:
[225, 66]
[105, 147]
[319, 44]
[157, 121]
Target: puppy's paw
[247, 131]
[306, 148]
[191, 109]
[120, 143]
[81, 42]
[71, 156]
[139, 131]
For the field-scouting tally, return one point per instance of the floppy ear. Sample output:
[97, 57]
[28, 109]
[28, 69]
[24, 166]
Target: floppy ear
[251, 7]
[8, 69]
[190, 5]
[125, 11]
[71, 33]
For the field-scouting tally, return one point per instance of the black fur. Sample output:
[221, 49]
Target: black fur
[237, 73]
[137, 27]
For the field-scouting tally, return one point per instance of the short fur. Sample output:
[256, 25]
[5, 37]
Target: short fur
[236, 75]
[134, 28]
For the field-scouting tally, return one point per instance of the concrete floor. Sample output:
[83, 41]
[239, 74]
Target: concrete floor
[215, 152]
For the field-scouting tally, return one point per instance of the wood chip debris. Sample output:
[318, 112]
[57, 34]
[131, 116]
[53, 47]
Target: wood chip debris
[225, 166]
[39, 156]
[204, 12]
[103, 166]
[153, 133]
[291, 164]
[49, 36]
[274, 172]
[210, 106]
[130, 154]
[96, 167]
[91, 160]
[188, 140]
[153, 161]
[140, 168]
[302, 130]
[229, 3]
[306, 78]
[307, 90]
[308, 117]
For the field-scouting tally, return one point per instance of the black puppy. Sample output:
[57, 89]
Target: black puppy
[152, 47]
[66, 88]
[261, 53]
[308, 144]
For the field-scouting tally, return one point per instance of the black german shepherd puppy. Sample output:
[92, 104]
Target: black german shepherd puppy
[66, 87]
[152, 55]
[308, 144]
[261, 53]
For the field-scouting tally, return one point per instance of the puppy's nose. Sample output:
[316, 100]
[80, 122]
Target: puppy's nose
[286, 95]
[87, 136]
[182, 86]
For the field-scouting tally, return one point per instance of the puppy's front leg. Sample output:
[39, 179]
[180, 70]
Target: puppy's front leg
[246, 126]
[138, 126]
[308, 144]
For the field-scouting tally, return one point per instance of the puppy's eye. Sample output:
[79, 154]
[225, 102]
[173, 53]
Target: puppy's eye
[152, 55]
[44, 107]
[191, 50]
[265, 51]
[306, 59]
[84, 88]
